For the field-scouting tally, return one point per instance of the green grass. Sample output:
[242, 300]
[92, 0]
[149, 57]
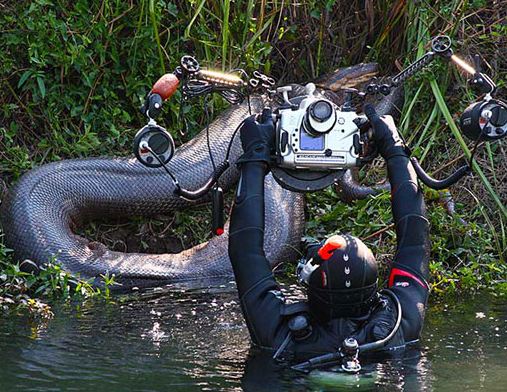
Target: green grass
[73, 75]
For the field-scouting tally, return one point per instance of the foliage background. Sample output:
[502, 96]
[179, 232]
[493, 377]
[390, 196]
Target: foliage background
[73, 75]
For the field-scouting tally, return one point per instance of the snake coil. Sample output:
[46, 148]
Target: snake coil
[40, 213]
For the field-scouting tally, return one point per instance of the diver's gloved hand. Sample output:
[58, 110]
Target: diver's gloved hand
[257, 138]
[385, 134]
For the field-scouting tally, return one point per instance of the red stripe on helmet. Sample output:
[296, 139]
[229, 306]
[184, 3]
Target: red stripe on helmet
[331, 244]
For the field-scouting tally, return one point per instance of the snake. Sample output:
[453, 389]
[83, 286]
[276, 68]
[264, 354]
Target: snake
[41, 213]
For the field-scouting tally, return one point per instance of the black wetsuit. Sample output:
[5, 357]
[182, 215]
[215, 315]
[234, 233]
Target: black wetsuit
[263, 306]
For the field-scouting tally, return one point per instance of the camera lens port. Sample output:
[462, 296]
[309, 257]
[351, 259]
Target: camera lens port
[320, 118]
[321, 111]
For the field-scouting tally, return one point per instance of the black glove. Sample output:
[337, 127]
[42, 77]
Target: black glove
[385, 134]
[257, 138]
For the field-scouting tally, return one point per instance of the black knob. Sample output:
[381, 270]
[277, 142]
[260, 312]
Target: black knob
[361, 123]
[477, 63]
[328, 152]
[441, 44]
[321, 111]
[300, 327]
[498, 116]
[371, 89]
[358, 147]
[189, 64]
[385, 89]
[284, 140]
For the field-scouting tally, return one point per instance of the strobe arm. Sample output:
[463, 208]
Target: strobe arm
[439, 184]
[198, 193]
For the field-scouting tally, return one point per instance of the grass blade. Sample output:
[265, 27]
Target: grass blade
[192, 21]
[155, 32]
[225, 31]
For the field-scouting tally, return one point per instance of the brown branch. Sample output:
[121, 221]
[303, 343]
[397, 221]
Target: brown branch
[383, 230]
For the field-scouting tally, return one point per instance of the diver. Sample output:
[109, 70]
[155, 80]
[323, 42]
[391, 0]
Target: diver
[344, 307]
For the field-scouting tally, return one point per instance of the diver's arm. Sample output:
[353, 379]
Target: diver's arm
[246, 233]
[409, 271]
[409, 213]
[259, 293]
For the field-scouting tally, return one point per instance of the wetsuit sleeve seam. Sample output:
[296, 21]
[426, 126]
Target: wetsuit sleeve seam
[259, 282]
[403, 183]
[244, 229]
[247, 198]
[404, 217]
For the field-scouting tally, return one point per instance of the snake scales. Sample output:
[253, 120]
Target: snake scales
[40, 213]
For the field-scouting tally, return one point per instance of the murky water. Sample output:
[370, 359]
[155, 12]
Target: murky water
[197, 340]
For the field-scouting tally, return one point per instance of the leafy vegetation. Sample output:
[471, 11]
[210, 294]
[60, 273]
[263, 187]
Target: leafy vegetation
[464, 257]
[23, 287]
[73, 75]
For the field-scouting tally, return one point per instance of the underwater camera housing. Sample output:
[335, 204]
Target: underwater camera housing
[316, 135]
[315, 140]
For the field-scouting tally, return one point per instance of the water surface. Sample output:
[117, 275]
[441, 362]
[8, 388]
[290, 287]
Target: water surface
[197, 340]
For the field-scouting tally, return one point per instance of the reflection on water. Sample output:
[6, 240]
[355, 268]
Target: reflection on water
[197, 340]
